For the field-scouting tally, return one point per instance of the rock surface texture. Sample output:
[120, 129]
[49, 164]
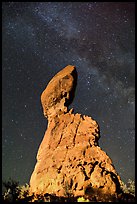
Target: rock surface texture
[69, 160]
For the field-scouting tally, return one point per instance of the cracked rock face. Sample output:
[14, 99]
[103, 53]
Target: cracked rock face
[69, 160]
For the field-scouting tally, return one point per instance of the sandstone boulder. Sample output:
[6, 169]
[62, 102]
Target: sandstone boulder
[69, 160]
[59, 92]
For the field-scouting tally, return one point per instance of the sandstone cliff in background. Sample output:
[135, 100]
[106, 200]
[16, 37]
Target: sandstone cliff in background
[69, 159]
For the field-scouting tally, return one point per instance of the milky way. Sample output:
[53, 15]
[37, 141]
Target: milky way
[38, 40]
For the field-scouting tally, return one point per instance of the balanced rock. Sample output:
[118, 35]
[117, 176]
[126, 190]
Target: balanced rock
[69, 159]
[59, 91]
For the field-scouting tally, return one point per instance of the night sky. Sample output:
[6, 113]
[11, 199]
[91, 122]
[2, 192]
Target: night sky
[41, 38]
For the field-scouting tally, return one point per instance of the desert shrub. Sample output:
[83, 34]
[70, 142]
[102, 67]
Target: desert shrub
[15, 193]
[128, 188]
[24, 194]
[11, 191]
[82, 199]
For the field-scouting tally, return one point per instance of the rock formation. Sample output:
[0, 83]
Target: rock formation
[69, 160]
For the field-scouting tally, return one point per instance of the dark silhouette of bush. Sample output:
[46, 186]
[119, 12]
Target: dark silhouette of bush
[15, 193]
[12, 192]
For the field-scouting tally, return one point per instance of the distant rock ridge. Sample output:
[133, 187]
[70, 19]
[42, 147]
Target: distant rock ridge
[69, 159]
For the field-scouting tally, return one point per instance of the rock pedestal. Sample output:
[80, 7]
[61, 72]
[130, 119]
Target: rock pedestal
[69, 160]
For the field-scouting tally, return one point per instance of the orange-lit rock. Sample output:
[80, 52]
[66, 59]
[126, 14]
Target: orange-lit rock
[58, 92]
[69, 159]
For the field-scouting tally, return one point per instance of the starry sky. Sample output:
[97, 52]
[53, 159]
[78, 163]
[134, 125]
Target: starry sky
[41, 38]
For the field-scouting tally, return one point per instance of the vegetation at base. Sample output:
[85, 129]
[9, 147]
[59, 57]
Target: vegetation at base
[13, 192]
[129, 187]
